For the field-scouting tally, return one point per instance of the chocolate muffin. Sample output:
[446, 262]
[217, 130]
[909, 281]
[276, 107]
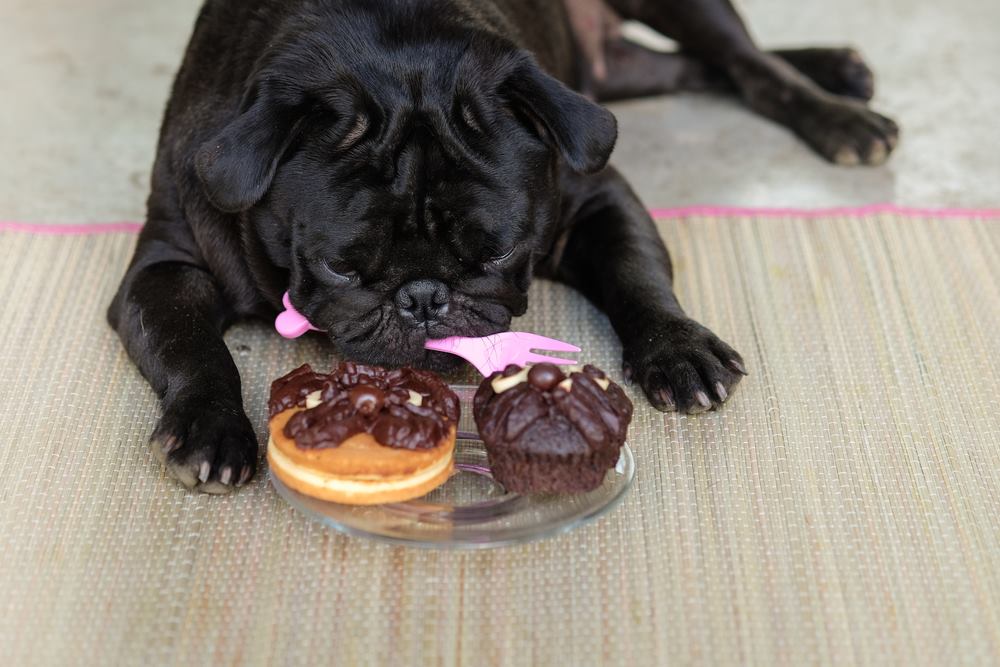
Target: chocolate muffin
[547, 431]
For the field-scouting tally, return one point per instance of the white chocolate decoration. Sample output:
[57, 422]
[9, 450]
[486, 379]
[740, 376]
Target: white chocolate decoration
[415, 398]
[502, 384]
[567, 384]
[314, 399]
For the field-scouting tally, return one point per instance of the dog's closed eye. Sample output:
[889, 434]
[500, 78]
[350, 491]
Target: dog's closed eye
[503, 256]
[339, 271]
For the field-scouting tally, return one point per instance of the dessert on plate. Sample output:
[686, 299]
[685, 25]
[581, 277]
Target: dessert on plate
[551, 430]
[362, 435]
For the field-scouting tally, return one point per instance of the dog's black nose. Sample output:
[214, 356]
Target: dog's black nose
[423, 301]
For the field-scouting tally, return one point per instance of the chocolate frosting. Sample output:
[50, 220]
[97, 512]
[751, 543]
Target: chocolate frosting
[365, 399]
[546, 416]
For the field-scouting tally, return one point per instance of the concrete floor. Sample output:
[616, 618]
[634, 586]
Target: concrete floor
[83, 86]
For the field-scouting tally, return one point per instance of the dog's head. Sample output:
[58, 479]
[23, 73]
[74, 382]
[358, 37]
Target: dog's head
[406, 178]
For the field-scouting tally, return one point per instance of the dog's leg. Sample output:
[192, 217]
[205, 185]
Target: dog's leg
[840, 71]
[613, 254]
[842, 129]
[635, 71]
[171, 315]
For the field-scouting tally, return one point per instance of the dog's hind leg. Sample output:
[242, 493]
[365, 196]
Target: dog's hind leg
[842, 129]
[841, 71]
[170, 314]
[636, 71]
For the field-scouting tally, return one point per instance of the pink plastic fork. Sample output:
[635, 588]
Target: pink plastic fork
[496, 352]
[488, 355]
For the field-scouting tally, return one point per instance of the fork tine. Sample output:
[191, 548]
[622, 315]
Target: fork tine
[543, 343]
[542, 359]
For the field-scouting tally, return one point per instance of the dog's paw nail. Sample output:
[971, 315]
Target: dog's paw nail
[226, 475]
[737, 366]
[847, 157]
[878, 153]
[702, 399]
[666, 397]
[721, 392]
[627, 372]
[203, 471]
[171, 443]
[245, 475]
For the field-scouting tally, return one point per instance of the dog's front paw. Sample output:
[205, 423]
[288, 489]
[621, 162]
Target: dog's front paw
[847, 132]
[206, 444]
[683, 366]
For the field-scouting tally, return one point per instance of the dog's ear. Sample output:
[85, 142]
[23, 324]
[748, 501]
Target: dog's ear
[237, 165]
[583, 132]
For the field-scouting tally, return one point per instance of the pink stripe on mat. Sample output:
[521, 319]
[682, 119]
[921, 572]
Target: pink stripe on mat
[871, 209]
[77, 229]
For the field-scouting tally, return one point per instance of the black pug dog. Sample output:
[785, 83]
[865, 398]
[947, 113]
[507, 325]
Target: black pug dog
[406, 167]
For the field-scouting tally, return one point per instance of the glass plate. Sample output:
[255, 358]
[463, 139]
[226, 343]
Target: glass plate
[471, 510]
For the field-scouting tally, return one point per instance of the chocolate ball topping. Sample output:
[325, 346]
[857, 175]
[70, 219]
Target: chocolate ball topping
[545, 376]
[367, 399]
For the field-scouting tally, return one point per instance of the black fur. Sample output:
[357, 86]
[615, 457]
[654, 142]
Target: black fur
[404, 167]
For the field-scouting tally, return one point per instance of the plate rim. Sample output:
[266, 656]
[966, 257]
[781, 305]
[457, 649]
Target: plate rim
[288, 495]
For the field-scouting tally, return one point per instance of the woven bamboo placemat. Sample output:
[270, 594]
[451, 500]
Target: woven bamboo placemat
[844, 507]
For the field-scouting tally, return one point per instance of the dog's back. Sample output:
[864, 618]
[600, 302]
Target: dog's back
[540, 26]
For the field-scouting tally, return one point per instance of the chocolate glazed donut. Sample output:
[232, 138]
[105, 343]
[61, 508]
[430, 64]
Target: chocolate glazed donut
[404, 408]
